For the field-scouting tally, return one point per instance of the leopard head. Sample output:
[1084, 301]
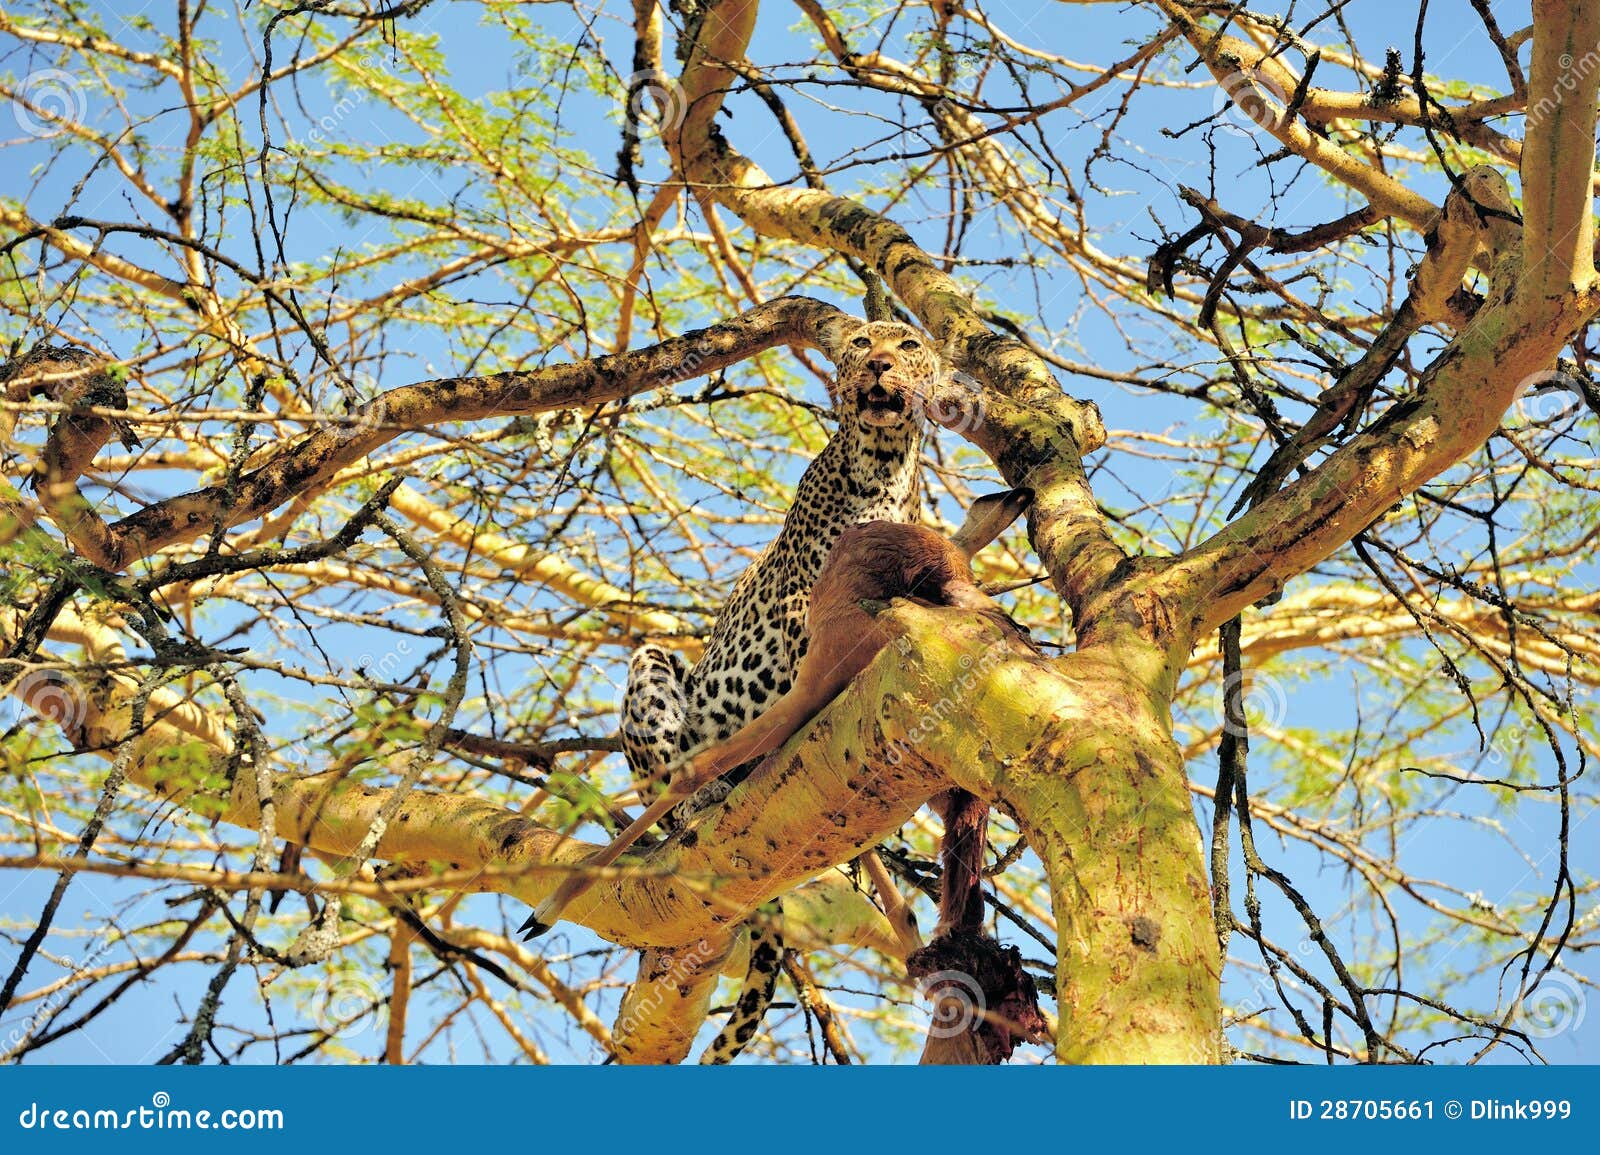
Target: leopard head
[887, 372]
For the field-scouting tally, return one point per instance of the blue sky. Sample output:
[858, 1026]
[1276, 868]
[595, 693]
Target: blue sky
[1139, 179]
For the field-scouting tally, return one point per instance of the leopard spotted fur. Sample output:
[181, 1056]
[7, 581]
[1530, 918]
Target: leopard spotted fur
[886, 374]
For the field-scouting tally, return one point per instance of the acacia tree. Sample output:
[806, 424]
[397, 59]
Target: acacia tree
[432, 413]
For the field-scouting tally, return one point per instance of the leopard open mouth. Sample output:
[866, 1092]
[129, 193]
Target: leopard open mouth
[880, 404]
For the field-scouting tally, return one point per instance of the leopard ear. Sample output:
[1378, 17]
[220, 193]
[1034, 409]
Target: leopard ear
[834, 333]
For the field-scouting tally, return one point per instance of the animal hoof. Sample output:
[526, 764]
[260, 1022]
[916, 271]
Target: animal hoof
[534, 928]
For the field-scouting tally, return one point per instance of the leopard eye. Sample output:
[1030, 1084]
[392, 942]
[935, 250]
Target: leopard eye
[862, 343]
[911, 344]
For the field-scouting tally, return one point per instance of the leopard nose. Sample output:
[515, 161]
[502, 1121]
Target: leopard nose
[878, 366]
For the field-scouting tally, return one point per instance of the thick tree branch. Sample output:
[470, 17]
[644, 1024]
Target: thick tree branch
[1558, 152]
[309, 462]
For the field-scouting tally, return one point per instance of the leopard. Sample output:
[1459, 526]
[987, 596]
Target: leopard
[868, 471]
[886, 375]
